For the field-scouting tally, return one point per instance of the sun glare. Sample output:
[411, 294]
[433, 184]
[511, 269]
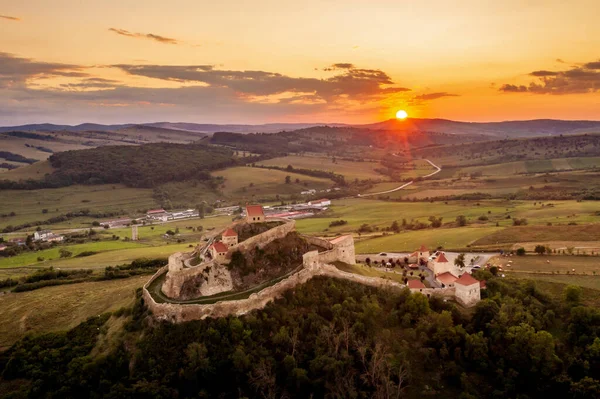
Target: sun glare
[402, 114]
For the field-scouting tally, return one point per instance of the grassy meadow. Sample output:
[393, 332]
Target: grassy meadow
[29, 204]
[245, 182]
[349, 169]
[62, 307]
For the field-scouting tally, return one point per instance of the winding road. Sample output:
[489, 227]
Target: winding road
[438, 170]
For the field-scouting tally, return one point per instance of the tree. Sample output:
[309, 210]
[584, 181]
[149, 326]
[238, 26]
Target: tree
[288, 179]
[65, 253]
[460, 260]
[494, 270]
[461, 220]
[368, 261]
[201, 209]
[521, 251]
[572, 294]
[395, 228]
[540, 249]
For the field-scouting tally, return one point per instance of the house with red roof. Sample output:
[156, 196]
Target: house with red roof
[255, 214]
[218, 251]
[447, 279]
[468, 290]
[229, 237]
[441, 265]
[415, 285]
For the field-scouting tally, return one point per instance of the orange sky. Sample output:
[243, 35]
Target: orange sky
[67, 61]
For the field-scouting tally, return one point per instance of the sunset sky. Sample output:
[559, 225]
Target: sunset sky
[116, 61]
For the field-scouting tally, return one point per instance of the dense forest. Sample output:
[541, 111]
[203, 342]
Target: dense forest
[135, 166]
[328, 338]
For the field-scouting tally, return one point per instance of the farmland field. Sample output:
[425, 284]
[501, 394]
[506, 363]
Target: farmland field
[35, 171]
[62, 307]
[559, 264]
[349, 169]
[248, 183]
[449, 239]
[28, 204]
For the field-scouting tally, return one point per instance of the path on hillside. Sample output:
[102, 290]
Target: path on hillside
[438, 170]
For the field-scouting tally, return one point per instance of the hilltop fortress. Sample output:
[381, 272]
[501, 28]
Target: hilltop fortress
[200, 284]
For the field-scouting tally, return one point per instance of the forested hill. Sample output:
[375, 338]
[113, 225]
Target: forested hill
[337, 140]
[329, 338]
[135, 166]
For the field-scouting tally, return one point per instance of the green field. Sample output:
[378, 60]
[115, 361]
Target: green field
[255, 183]
[549, 264]
[350, 170]
[62, 307]
[459, 237]
[28, 204]
[35, 171]
[533, 166]
[520, 234]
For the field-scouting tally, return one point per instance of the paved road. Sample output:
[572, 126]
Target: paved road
[404, 185]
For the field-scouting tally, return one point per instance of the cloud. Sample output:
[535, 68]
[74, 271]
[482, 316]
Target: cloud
[10, 18]
[15, 70]
[351, 82]
[32, 90]
[578, 79]
[149, 36]
[433, 96]
[592, 65]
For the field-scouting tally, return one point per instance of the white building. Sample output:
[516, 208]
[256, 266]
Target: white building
[320, 202]
[468, 290]
[47, 236]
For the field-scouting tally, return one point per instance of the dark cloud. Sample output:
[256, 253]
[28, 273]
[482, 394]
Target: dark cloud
[149, 36]
[513, 88]
[10, 18]
[354, 82]
[433, 96]
[16, 70]
[592, 65]
[578, 79]
[543, 73]
[560, 60]
[206, 92]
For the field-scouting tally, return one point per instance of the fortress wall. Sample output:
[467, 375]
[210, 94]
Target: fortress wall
[261, 240]
[176, 261]
[318, 242]
[176, 278]
[342, 251]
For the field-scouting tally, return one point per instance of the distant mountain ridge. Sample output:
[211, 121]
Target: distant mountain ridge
[527, 128]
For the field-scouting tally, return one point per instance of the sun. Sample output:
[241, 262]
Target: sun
[401, 114]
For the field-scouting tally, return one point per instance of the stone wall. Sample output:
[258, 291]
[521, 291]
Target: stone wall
[261, 240]
[177, 261]
[209, 278]
[319, 242]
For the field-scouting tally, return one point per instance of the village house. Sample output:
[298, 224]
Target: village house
[218, 251]
[47, 236]
[3, 247]
[229, 237]
[440, 265]
[468, 290]
[419, 257]
[157, 214]
[415, 285]
[255, 214]
[446, 279]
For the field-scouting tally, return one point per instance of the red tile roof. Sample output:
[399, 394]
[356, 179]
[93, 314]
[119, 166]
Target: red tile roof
[441, 258]
[219, 247]
[446, 278]
[415, 254]
[467, 279]
[229, 233]
[482, 284]
[415, 284]
[255, 210]
[423, 249]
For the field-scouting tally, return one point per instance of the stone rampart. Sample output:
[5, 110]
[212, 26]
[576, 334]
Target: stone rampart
[177, 261]
[261, 240]
[319, 242]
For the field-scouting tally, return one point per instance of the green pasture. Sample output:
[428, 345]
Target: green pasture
[247, 183]
[349, 169]
[409, 241]
[28, 204]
